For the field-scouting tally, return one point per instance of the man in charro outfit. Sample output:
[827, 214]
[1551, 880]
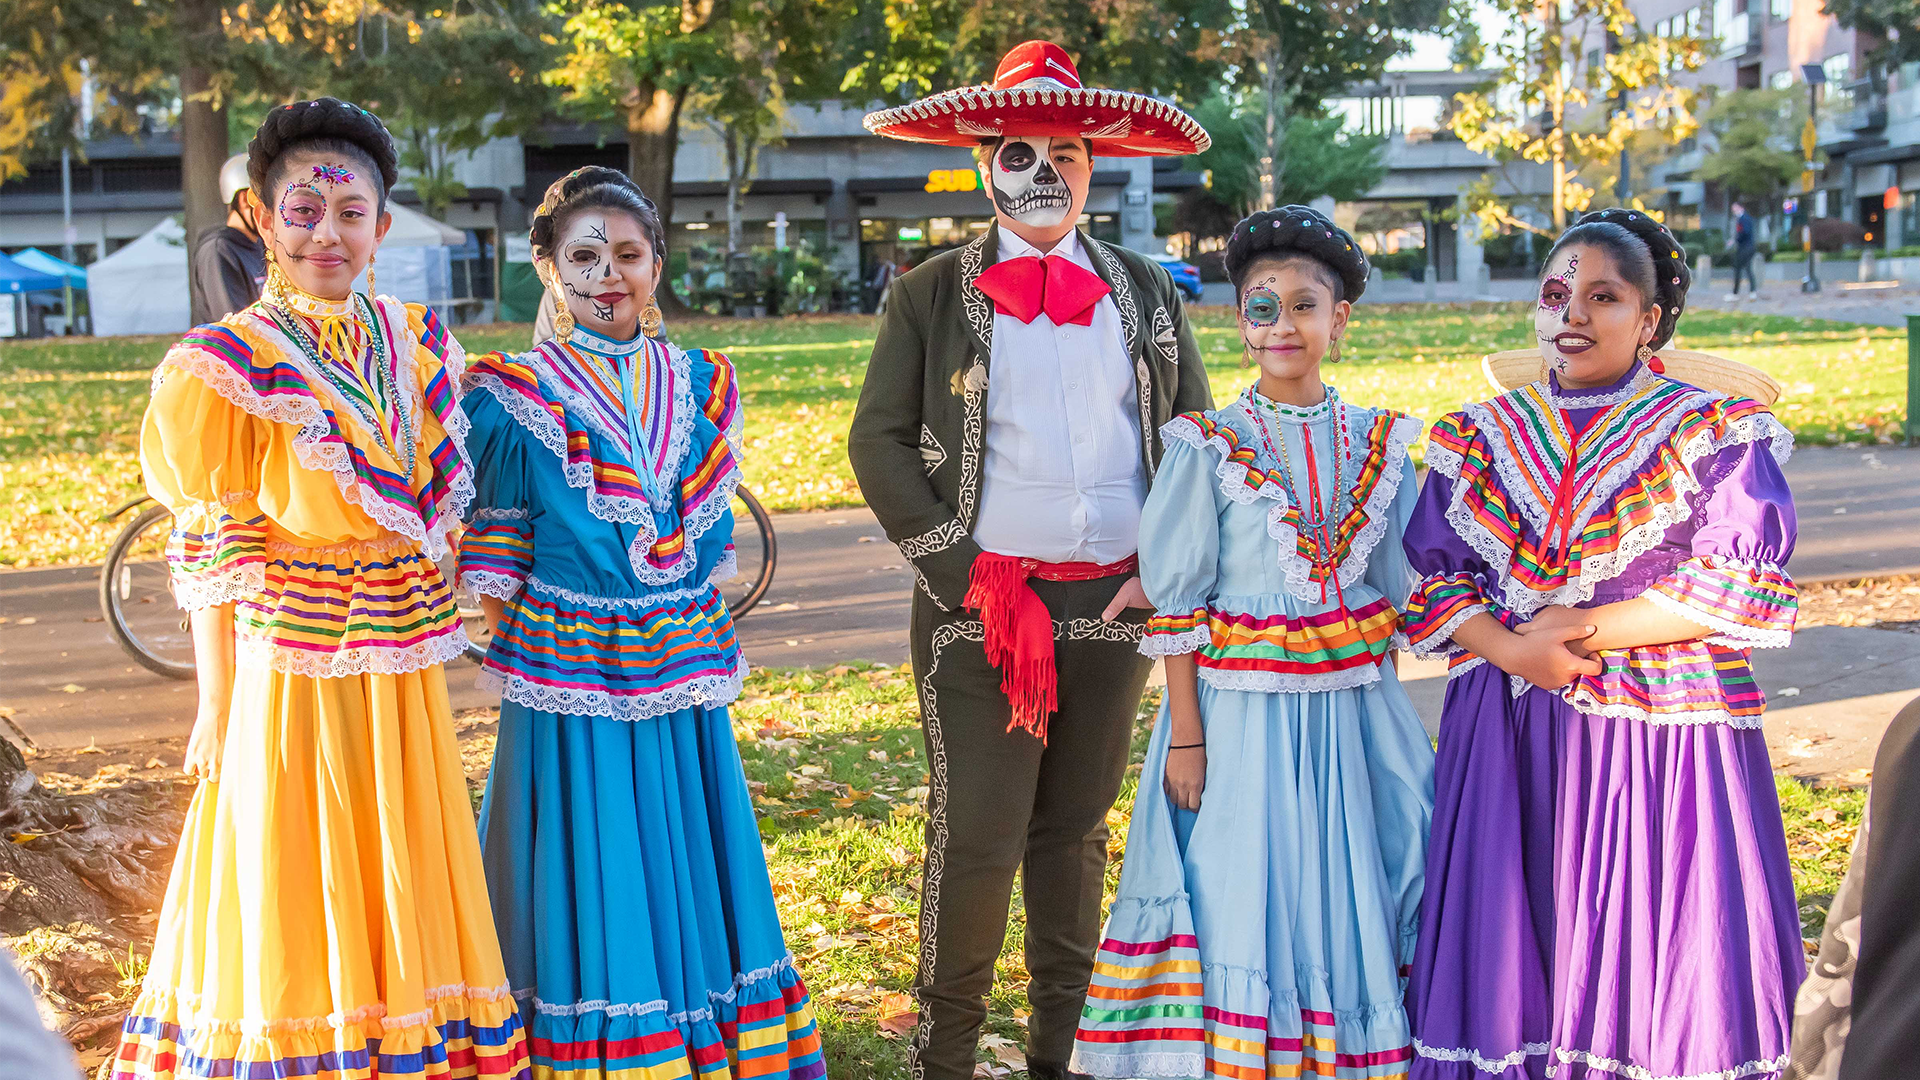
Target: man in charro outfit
[1005, 438]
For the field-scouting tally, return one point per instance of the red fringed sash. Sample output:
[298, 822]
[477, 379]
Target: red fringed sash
[1019, 631]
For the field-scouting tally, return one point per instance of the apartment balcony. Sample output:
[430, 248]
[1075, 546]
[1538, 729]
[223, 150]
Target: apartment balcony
[1740, 37]
[1866, 110]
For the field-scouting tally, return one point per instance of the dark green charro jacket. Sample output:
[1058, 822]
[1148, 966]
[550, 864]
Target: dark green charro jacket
[917, 443]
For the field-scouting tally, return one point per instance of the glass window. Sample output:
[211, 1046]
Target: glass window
[1782, 10]
[1781, 80]
[1839, 69]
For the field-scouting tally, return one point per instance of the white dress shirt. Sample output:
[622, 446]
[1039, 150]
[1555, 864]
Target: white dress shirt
[1063, 479]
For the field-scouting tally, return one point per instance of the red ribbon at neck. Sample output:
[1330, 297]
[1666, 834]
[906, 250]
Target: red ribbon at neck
[1026, 286]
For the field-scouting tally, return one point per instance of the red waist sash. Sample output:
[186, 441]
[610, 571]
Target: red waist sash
[1019, 631]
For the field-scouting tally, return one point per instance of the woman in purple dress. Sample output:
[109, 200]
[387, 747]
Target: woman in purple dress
[1607, 884]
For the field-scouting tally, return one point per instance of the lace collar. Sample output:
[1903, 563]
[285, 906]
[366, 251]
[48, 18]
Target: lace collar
[1628, 386]
[1252, 399]
[602, 345]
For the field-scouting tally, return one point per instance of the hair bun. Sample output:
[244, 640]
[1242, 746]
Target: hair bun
[1671, 276]
[297, 122]
[1298, 230]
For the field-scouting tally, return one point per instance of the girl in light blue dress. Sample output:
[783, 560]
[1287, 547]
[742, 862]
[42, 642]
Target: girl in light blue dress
[1269, 901]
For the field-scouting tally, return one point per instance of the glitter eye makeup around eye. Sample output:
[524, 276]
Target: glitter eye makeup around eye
[301, 206]
[1260, 308]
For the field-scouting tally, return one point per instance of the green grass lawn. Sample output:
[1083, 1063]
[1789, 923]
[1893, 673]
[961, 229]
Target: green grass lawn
[835, 762]
[70, 411]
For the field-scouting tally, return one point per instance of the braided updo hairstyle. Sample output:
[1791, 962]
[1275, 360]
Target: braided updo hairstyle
[324, 126]
[1647, 254]
[594, 187]
[1298, 233]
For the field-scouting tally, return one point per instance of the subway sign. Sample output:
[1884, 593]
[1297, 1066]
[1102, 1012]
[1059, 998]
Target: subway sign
[953, 180]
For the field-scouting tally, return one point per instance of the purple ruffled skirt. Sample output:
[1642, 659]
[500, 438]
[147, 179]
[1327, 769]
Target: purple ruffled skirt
[1604, 897]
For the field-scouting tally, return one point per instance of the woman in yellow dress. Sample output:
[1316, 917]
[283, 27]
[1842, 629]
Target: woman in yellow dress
[327, 916]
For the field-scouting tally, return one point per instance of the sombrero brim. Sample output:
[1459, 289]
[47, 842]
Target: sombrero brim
[1514, 369]
[1119, 123]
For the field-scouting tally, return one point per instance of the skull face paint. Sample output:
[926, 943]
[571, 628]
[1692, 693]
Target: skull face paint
[1026, 186]
[605, 266]
[1556, 295]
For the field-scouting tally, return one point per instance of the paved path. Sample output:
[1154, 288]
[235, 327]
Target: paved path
[841, 594]
[1840, 298]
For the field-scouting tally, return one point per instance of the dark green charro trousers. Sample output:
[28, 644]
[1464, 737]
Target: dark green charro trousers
[1000, 802]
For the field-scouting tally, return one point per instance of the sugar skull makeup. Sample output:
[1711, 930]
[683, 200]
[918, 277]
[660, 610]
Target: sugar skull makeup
[1026, 185]
[606, 266]
[1260, 306]
[331, 173]
[302, 206]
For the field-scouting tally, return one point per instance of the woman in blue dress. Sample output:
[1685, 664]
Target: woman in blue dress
[629, 886]
[1272, 883]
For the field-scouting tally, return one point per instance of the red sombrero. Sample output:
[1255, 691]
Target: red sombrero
[1037, 91]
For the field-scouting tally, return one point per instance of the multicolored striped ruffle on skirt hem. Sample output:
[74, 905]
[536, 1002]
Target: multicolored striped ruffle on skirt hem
[763, 1029]
[464, 1035]
[1164, 1016]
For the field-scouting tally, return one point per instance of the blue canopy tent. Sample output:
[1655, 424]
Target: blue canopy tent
[35, 259]
[15, 278]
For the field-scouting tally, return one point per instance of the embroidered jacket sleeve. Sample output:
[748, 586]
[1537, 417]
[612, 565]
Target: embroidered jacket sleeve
[199, 455]
[1180, 541]
[1735, 582]
[711, 471]
[884, 447]
[497, 552]
[1455, 582]
[447, 490]
[1192, 392]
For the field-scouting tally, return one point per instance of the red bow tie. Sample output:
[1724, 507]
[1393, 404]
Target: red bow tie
[1025, 286]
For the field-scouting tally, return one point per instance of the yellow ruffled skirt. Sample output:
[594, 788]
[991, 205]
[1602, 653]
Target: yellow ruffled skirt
[327, 916]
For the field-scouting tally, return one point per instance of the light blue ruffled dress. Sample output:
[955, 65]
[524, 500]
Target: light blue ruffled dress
[1267, 934]
[629, 885]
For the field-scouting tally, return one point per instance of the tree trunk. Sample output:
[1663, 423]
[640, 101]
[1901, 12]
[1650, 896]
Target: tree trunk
[203, 149]
[735, 196]
[653, 136]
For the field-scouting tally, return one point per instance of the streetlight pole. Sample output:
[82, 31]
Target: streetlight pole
[1816, 77]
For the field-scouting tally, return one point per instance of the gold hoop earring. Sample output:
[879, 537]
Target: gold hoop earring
[370, 259]
[650, 318]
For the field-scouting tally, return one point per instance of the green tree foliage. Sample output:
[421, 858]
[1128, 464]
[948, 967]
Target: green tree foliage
[1324, 161]
[1754, 132]
[1552, 105]
[1892, 27]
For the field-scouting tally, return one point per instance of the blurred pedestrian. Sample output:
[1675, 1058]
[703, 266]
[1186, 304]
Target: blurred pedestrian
[230, 262]
[1745, 243]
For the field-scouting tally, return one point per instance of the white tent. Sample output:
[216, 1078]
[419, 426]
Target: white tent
[142, 288]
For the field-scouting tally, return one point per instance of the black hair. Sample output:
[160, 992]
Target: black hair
[1298, 233]
[324, 126]
[1647, 254]
[594, 187]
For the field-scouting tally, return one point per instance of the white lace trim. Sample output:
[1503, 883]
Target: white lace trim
[1232, 476]
[1580, 698]
[726, 569]
[461, 489]
[1637, 1072]
[691, 1016]
[1278, 682]
[1166, 643]
[310, 449]
[1457, 670]
[489, 583]
[1484, 1064]
[1440, 642]
[493, 513]
[706, 691]
[640, 603]
[355, 659]
[227, 587]
[1636, 542]
[186, 1004]
[1642, 378]
[1152, 1066]
[1725, 631]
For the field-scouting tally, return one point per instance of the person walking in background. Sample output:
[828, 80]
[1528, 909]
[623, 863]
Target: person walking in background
[1005, 437]
[229, 262]
[883, 274]
[1745, 243]
[1271, 892]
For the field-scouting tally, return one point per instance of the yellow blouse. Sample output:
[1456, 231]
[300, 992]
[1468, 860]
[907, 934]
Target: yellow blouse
[288, 504]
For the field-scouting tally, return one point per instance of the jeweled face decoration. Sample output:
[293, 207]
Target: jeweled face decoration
[1027, 185]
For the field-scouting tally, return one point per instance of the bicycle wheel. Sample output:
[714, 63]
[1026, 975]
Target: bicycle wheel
[136, 597]
[472, 618]
[755, 547]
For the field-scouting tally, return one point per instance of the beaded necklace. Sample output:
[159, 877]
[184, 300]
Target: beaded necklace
[370, 403]
[1320, 527]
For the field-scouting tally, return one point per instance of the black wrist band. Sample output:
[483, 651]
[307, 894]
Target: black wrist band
[1189, 746]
